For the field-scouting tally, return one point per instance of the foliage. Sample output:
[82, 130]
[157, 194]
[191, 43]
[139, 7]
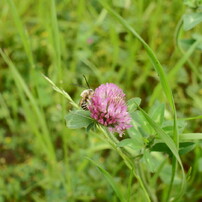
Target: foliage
[130, 43]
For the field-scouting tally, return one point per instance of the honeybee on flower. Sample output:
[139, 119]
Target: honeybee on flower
[86, 96]
[107, 106]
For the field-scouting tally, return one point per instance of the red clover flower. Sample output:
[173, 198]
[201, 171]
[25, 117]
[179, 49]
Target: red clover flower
[109, 108]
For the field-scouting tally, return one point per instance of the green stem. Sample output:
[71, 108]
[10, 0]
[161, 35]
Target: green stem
[141, 174]
[113, 142]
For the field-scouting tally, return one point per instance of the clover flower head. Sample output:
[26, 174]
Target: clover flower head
[109, 108]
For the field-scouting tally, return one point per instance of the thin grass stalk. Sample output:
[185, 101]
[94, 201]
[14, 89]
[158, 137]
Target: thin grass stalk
[22, 32]
[56, 41]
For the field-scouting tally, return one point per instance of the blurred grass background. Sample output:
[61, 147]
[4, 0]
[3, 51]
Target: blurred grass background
[41, 159]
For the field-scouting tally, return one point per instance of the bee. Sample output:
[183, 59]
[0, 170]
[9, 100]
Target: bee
[86, 96]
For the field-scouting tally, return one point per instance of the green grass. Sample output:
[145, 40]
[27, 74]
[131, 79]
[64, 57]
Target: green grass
[134, 44]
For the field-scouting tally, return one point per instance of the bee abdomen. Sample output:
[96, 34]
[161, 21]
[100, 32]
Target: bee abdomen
[84, 105]
[86, 97]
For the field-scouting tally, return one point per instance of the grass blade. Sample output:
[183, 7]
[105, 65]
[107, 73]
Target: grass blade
[192, 118]
[22, 32]
[130, 185]
[174, 71]
[170, 143]
[38, 113]
[109, 179]
[151, 54]
[56, 41]
[191, 136]
[164, 83]
[61, 91]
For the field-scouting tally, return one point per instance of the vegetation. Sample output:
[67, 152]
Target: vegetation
[151, 49]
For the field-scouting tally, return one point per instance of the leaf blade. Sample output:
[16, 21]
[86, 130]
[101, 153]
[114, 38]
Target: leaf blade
[78, 119]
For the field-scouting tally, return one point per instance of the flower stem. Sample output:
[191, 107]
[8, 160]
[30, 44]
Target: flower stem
[125, 156]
